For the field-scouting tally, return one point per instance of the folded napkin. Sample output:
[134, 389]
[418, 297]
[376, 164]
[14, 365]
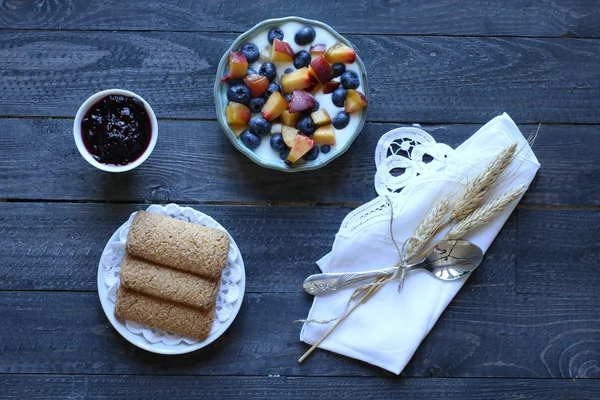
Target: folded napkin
[387, 329]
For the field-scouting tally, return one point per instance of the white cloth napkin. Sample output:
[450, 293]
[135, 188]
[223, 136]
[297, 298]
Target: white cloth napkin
[387, 329]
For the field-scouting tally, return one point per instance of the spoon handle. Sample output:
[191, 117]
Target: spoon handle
[330, 282]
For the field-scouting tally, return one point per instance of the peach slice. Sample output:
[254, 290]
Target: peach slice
[321, 117]
[289, 134]
[321, 69]
[274, 106]
[238, 65]
[302, 144]
[301, 101]
[330, 87]
[281, 51]
[314, 88]
[299, 79]
[317, 49]
[257, 84]
[288, 118]
[355, 101]
[339, 53]
[324, 135]
[237, 116]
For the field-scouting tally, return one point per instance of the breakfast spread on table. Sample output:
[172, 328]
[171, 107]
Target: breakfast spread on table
[294, 92]
[170, 274]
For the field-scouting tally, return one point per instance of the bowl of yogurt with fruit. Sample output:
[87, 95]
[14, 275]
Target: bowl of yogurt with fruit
[291, 94]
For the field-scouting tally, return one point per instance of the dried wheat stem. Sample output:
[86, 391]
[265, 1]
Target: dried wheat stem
[470, 196]
[485, 213]
[430, 224]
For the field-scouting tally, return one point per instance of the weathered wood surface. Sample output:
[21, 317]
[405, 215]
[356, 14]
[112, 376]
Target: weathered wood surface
[449, 17]
[412, 79]
[242, 388]
[45, 247]
[195, 162]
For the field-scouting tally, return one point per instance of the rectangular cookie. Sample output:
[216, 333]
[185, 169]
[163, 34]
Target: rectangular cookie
[178, 244]
[166, 283]
[190, 322]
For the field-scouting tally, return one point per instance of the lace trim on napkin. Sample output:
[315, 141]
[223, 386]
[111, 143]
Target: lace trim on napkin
[402, 156]
[229, 291]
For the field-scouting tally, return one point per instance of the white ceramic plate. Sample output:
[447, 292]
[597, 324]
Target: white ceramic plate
[161, 348]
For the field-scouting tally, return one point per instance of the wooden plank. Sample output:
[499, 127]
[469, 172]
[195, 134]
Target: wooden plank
[559, 249]
[450, 17]
[494, 335]
[43, 245]
[428, 79]
[194, 162]
[191, 388]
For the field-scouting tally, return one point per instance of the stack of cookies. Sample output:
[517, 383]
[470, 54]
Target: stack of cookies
[170, 276]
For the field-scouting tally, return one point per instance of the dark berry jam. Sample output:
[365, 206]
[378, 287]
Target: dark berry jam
[116, 130]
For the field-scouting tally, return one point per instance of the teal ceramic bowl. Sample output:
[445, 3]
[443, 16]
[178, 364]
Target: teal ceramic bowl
[220, 93]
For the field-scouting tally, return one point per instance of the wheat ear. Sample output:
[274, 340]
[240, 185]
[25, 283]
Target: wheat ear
[470, 196]
[485, 213]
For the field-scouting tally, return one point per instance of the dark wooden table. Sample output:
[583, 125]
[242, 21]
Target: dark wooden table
[525, 326]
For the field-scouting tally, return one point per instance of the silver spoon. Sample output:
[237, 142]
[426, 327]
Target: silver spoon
[448, 260]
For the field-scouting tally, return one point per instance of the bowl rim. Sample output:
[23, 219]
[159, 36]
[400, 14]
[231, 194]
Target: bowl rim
[249, 152]
[83, 109]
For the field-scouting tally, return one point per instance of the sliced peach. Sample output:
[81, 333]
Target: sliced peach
[339, 53]
[317, 49]
[321, 117]
[314, 88]
[302, 144]
[324, 135]
[288, 118]
[238, 65]
[299, 79]
[274, 106]
[321, 69]
[301, 101]
[281, 51]
[355, 101]
[330, 87]
[289, 134]
[257, 84]
[237, 116]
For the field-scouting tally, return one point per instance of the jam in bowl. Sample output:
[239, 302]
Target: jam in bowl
[115, 130]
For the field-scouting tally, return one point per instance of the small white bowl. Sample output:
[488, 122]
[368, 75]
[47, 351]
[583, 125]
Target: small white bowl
[79, 137]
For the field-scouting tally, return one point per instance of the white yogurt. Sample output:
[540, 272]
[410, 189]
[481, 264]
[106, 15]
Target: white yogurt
[289, 29]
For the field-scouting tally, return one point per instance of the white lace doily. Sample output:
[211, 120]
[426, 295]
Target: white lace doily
[229, 290]
[402, 156]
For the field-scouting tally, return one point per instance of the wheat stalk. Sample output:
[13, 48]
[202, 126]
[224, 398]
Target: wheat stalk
[470, 196]
[485, 213]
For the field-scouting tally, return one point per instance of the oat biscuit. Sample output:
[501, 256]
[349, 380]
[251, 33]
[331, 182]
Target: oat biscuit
[169, 284]
[162, 314]
[178, 244]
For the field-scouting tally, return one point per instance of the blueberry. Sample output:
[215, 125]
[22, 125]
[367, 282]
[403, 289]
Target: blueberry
[260, 126]
[325, 149]
[305, 36]
[302, 59]
[275, 33]
[251, 71]
[277, 143]
[315, 107]
[284, 154]
[350, 80]
[268, 70]
[312, 154]
[341, 120]
[239, 94]
[306, 125]
[288, 70]
[338, 97]
[338, 69]
[234, 82]
[250, 140]
[256, 104]
[273, 87]
[288, 97]
[250, 51]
